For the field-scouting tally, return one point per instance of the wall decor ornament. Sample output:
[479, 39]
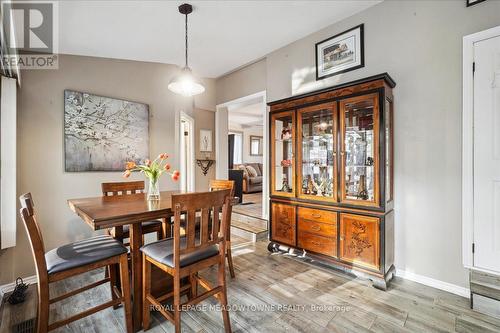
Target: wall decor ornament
[473, 2]
[102, 133]
[340, 53]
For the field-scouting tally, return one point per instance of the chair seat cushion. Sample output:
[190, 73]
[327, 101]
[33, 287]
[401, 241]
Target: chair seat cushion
[83, 252]
[163, 252]
[126, 227]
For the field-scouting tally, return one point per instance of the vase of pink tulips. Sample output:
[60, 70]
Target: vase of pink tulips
[153, 170]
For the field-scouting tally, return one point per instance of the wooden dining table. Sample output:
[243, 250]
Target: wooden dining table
[105, 212]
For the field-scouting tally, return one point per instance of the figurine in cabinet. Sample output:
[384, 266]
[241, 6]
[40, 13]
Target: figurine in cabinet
[362, 193]
[286, 134]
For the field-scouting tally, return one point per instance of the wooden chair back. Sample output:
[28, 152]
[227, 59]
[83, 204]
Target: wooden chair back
[212, 228]
[34, 234]
[224, 184]
[122, 188]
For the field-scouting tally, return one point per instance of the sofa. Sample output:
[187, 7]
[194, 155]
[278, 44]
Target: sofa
[252, 178]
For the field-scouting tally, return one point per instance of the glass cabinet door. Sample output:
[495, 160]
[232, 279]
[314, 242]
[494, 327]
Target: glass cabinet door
[282, 154]
[316, 152]
[359, 122]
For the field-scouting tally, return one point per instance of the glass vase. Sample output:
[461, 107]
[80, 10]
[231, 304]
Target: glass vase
[153, 189]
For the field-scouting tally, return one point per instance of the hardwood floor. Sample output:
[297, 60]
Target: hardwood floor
[274, 293]
[254, 209]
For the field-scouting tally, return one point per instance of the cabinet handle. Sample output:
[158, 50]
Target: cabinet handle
[342, 153]
[316, 215]
[341, 238]
[315, 228]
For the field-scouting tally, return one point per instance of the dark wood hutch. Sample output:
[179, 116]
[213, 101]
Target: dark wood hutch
[331, 184]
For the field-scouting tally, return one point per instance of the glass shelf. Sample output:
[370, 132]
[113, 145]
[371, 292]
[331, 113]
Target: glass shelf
[359, 142]
[317, 160]
[283, 150]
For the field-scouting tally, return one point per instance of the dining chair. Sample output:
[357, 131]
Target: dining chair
[123, 232]
[182, 257]
[74, 259]
[224, 184]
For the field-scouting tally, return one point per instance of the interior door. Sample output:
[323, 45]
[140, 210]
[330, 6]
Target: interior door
[487, 154]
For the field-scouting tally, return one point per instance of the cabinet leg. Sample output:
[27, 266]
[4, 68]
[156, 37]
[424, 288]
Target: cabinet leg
[382, 284]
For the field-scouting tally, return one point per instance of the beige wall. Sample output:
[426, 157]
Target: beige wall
[40, 141]
[246, 81]
[204, 119]
[247, 132]
[419, 43]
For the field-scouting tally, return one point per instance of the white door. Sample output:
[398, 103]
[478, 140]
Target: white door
[487, 154]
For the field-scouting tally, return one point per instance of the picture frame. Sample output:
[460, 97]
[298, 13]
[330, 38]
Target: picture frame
[205, 140]
[341, 53]
[256, 145]
[473, 2]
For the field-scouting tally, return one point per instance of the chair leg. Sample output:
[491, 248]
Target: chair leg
[230, 259]
[43, 308]
[223, 295]
[125, 284]
[111, 272]
[159, 234]
[146, 289]
[177, 303]
[193, 291]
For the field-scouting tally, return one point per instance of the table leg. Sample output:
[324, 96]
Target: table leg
[167, 227]
[136, 256]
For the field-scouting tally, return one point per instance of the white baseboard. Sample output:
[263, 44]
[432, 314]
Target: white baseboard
[10, 286]
[438, 284]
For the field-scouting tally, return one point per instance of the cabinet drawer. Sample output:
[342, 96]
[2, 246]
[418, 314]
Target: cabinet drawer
[317, 215]
[360, 240]
[283, 223]
[321, 229]
[318, 244]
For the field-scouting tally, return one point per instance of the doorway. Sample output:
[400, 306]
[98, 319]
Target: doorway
[242, 126]
[187, 161]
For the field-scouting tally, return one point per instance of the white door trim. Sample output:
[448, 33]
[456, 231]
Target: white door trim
[221, 169]
[190, 166]
[468, 142]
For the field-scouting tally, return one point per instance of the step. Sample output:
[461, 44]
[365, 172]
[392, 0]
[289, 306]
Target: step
[485, 284]
[250, 220]
[249, 229]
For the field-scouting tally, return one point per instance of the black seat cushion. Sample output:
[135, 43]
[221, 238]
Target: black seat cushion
[163, 252]
[126, 227]
[83, 252]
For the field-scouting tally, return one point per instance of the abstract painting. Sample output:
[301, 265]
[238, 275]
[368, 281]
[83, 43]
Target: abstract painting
[102, 133]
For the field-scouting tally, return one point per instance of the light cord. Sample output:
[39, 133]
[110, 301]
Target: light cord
[186, 40]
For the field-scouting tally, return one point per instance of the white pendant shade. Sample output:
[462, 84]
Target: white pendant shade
[186, 84]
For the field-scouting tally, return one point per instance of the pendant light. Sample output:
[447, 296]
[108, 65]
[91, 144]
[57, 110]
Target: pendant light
[185, 83]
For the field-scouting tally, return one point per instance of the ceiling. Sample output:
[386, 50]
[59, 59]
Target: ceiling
[245, 116]
[223, 35]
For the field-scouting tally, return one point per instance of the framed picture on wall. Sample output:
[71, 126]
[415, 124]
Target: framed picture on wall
[340, 53]
[205, 140]
[473, 2]
[102, 133]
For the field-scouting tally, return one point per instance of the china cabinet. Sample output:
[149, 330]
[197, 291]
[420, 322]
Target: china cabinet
[332, 177]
